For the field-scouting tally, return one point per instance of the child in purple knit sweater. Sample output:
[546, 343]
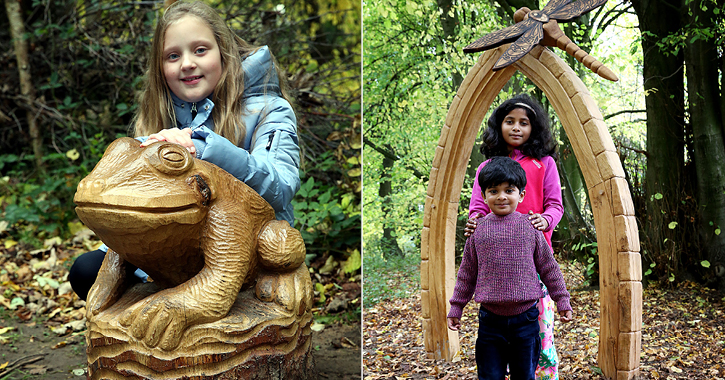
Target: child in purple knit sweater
[502, 262]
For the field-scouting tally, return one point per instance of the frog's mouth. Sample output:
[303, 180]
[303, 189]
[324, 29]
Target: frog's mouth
[134, 219]
[138, 209]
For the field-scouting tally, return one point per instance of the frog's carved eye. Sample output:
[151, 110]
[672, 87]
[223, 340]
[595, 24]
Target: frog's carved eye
[171, 158]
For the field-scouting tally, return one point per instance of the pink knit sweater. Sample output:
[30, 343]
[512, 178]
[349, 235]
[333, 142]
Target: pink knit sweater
[500, 265]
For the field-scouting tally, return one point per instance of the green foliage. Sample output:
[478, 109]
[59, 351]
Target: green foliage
[396, 277]
[327, 219]
[36, 207]
[88, 59]
[327, 206]
[412, 68]
[351, 316]
[587, 254]
[710, 28]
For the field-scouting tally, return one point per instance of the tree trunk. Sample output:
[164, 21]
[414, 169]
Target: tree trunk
[27, 90]
[709, 148]
[389, 244]
[664, 88]
[449, 20]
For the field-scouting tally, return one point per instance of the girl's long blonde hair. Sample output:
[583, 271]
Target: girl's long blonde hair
[155, 109]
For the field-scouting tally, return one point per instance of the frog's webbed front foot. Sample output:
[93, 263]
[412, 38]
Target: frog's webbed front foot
[161, 319]
[109, 285]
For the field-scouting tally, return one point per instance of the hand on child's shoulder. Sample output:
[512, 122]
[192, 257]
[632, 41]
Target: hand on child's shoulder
[471, 224]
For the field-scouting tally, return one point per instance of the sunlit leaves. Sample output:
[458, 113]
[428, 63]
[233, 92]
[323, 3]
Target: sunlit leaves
[410, 65]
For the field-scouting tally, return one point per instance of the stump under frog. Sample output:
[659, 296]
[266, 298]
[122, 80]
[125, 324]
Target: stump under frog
[230, 295]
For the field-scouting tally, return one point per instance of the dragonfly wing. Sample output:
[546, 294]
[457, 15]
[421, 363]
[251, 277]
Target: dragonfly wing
[553, 5]
[521, 47]
[575, 9]
[499, 37]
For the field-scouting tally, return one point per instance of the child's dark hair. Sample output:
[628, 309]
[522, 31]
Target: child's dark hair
[540, 143]
[499, 170]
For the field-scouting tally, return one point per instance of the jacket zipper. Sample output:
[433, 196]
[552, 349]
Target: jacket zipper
[271, 137]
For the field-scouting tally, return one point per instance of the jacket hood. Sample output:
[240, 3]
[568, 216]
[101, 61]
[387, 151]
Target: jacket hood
[260, 76]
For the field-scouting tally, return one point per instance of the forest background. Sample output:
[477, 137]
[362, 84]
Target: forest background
[71, 70]
[664, 115]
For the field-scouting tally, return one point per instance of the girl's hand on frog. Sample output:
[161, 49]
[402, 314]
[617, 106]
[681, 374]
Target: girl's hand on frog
[471, 225]
[173, 135]
[538, 221]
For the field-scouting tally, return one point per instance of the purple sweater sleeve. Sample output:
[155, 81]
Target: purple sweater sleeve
[477, 205]
[553, 206]
[466, 280]
[550, 273]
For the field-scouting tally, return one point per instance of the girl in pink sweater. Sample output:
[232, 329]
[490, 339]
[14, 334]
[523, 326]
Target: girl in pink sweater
[519, 128]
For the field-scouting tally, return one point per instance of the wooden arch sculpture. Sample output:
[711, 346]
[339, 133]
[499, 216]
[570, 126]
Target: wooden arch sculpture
[620, 268]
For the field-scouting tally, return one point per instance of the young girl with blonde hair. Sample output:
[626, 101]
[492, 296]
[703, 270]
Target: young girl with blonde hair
[221, 98]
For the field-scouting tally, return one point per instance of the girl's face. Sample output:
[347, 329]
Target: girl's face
[192, 60]
[516, 128]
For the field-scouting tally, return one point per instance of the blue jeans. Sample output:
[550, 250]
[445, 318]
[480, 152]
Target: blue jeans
[511, 340]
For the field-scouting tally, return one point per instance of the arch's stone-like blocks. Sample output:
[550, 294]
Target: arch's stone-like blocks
[618, 242]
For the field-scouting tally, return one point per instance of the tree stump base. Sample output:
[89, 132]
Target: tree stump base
[256, 340]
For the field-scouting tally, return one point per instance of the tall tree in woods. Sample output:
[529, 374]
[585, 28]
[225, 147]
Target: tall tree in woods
[683, 40]
[449, 21]
[704, 61]
[663, 73]
[27, 88]
[388, 244]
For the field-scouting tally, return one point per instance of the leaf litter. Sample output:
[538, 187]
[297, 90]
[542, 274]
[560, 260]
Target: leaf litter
[683, 336]
[34, 291]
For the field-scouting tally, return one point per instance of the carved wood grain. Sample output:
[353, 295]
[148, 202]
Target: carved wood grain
[256, 340]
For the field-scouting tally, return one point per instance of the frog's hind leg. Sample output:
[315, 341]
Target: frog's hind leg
[284, 278]
[292, 290]
[280, 247]
[110, 284]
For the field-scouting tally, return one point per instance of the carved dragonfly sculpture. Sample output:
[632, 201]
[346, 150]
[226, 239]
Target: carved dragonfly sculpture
[542, 26]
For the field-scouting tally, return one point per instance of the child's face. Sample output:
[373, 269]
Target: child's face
[192, 60]
[503, 198]
[516, 128]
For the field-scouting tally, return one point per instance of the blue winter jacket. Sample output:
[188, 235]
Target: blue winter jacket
[268, 160]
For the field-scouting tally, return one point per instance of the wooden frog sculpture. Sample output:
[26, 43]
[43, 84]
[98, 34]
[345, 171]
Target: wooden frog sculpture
[199, 233]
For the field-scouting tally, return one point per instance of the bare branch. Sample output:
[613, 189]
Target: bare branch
[391, 155]
[623, 112]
